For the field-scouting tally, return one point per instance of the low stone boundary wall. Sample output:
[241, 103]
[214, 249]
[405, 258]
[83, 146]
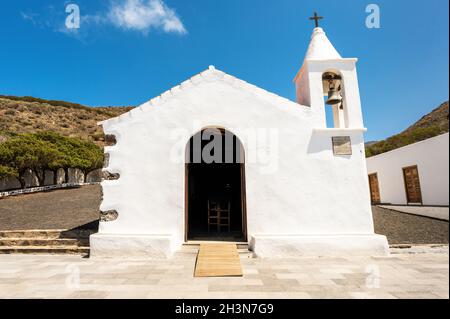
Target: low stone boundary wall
[31, 179]
[42, 189]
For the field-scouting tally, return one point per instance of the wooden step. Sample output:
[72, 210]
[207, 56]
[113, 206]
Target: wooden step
[48, 250]
[218, 260]
[197, 243]
[192, 248]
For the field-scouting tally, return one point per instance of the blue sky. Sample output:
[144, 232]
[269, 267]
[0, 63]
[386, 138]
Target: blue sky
[126, 60]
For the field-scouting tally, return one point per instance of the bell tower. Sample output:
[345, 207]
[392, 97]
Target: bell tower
[328, 80]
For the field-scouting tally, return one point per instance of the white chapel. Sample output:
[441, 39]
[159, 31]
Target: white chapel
[219, 159]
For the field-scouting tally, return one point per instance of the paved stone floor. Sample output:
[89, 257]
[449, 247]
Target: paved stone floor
[401, 275]
[427, 211]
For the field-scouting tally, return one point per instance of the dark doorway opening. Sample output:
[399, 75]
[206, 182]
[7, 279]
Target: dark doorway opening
[215, 187]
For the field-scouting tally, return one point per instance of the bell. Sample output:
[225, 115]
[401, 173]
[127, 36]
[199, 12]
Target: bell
[334, 97]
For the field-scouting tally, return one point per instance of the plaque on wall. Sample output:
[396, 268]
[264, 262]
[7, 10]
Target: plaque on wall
[342, 145]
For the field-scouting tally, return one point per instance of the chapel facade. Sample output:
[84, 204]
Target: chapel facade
[218, 159]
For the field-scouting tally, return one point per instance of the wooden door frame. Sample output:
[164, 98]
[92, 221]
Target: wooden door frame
[244, 202]
[406, 185]
[186, 201]
[370, 188]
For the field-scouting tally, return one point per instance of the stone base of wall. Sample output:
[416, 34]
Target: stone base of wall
[291, 246]
[131, 246]
[263, 246]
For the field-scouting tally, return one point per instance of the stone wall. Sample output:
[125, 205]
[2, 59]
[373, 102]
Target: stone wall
[9, 183]
[94, 176]
[31, 179]
[75, 176]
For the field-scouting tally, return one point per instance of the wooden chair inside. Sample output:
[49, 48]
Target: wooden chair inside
[219, 215]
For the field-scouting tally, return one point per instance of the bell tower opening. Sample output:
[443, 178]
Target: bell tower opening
[334, 99]
[325, 72]
[215, 187]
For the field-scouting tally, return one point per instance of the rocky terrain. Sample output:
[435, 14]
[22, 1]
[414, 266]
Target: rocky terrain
[30, 115]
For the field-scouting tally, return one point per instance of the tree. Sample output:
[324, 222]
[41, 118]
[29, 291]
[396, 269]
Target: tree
[47, 151]
[6, 172]
[74, 153]
[24, 152]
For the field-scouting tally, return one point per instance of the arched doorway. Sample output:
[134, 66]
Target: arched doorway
[215, 187]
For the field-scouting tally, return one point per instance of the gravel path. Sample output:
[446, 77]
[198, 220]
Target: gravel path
[59, 209]
[403, 228]
[427, 211]
[71, 208]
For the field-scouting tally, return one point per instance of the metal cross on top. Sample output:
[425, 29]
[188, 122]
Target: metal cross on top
[316, 18]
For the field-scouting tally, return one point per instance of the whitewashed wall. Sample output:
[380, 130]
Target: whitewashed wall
[310, 202]
[432, 159]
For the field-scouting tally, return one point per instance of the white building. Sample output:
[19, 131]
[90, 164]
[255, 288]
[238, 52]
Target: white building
[291, 186]
[413, 174]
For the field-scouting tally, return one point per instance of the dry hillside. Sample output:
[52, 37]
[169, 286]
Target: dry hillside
[433, 124]
[28, 115]
[437, 118]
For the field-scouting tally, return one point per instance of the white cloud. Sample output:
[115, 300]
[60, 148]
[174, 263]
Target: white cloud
[134, 15]
[145, 15]
[28, 17]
